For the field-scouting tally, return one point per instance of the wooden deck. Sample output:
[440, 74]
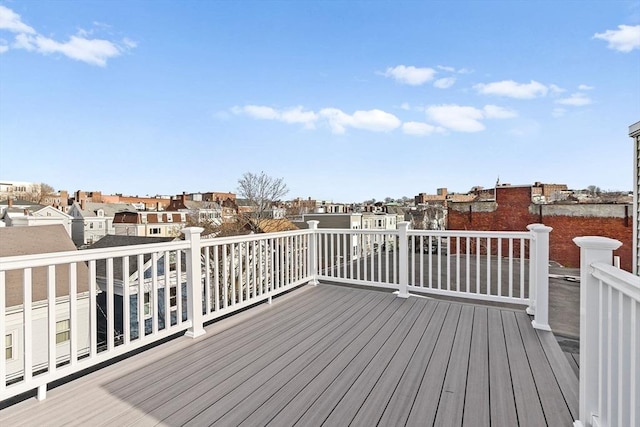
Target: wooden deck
[331, 355]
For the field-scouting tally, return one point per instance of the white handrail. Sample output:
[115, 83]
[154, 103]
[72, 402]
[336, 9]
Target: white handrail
[609, 338]
[224, 275]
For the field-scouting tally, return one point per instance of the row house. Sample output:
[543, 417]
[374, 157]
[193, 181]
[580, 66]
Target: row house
[204, 212]
[149, 224]
[92, 221]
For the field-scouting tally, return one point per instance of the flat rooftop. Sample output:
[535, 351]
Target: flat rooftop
[331, 355]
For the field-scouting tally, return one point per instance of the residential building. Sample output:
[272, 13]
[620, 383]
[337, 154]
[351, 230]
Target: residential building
[149, 224]
[210, 212]
[93, 220]
[137, 273]
[18, 189]
[30, 215]
[44, 239]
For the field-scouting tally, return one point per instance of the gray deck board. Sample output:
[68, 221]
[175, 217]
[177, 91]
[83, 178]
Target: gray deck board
[476, 405]
[451, 405]
[574, 362]
[567, 381]
[553, 403]
[378, 399]
[525, 393]
[426, 402]
[503, 406]
[331, 355]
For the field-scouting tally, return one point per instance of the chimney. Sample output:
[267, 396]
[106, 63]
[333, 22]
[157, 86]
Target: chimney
[82, 204]
[183, 197]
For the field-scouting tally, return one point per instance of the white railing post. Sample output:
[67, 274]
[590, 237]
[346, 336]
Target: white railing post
[313, 252]
[403, 259]
[531, 310]
[194, 282]
[592, 249]
[541, 276]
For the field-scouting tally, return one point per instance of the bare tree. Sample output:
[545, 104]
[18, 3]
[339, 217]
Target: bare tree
[193, 220]
[594, 190]
[41, 192]
[261, 192]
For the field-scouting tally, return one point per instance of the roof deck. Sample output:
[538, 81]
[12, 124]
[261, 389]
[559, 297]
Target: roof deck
[332, 355]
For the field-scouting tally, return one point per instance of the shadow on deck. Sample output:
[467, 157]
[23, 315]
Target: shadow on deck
[332, 355]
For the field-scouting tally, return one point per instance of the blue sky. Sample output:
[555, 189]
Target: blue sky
[345, 100]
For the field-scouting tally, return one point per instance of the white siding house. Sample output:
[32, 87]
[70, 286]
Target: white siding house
[37, 215]
[16, 241]
[93, 221]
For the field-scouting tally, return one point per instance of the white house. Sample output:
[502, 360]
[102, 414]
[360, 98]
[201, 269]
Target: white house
[36, 215]
[149, 223]
[137, 274]
[93, 221]
[39, 240]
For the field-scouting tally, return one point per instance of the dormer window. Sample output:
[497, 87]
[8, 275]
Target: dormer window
[100, 212]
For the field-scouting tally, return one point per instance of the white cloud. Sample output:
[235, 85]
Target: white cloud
[405, 106]
[456, 117]
[445, 82]
[453, 70]
[79, 47]
[577, 100]
[371, 120]
[298, 115]
[410, 75]
[3, 48]
[11, 21]
[466, 119]
[291, 115]
[585, 87]
[91, 51]
[420, 129]
[512, 89]
[495, 112]
[446, 68]
[624, 39]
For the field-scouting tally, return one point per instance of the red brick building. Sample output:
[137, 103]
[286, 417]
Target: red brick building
[513, 210]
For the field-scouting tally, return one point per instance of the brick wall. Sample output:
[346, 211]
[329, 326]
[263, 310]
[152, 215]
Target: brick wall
[513, 211]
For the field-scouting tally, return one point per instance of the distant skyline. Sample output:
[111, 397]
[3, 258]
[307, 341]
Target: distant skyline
[345, 100]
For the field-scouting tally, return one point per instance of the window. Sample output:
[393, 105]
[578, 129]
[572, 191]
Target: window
[8, 346]
[173, 299]
[63, 331]
[147, 304]
[91, 225]
[99, 225]
[154, 230]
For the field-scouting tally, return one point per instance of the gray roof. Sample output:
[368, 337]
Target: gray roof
[110, 209]
[42, 239]
[195, 205]
[21, 202]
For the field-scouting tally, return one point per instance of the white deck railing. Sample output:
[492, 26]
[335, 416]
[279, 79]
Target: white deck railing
[489, 266]
[182, 285]
[609, 338]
